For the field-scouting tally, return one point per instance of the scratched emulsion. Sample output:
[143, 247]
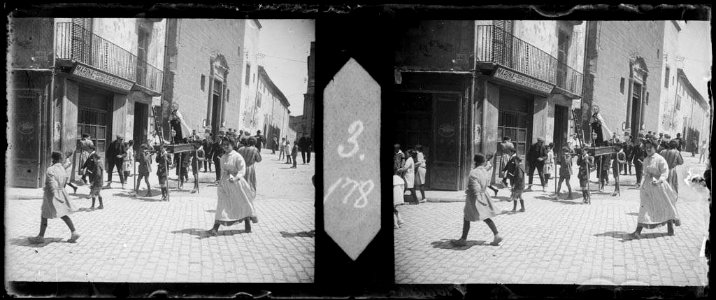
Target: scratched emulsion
[352, 158]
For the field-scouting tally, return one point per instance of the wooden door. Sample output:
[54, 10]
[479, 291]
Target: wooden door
[445, 162]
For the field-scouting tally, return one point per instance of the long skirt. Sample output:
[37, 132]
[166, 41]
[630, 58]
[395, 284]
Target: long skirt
[235, 201]
[479, 207]
[56, 204]
[658, 205]
[673, 180]
[250, 175]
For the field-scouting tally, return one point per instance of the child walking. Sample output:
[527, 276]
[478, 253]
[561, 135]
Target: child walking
[585, 162]
[565, 171]
[163, 163]
[96, 178]
[618, 160]
[294, 154]
[517, 175]
[145, 167]
[288, 151]
[549, 164]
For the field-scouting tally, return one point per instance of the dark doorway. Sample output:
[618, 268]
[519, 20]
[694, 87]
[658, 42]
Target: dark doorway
[25, 145]
[215, 115]
[413, 125]
[636, 109]
[95, 117]
[141, 117]
[560, 127]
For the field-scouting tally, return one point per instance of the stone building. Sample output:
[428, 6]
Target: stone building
[308, 108]
[623, 74]
[460, 86]
[211, 67]
[274, 109]
[79, 75]
[691, 113]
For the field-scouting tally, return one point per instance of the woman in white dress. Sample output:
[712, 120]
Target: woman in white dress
[420, 170]
[235, 195]
[408, 171]
[657, 197]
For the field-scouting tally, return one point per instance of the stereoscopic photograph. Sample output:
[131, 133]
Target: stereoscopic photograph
[551, 152]
[160, 150]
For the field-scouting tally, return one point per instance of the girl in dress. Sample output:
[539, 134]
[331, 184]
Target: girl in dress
[55, 202]
[420, 170]
[517, 175]
[235, 195]
[129, 159]
[398, 194]
[657, 197]
[408, 171]
[565, 171]
[478, 204]
[673, 159]
[549, 164]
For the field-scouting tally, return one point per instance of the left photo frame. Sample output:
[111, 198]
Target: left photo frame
[160, 150]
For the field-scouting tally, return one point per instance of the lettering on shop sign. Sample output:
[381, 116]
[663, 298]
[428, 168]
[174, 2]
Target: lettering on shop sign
[523, 80]
[92, 74]
[351, 201]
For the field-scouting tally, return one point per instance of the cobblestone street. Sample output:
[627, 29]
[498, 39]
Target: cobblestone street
[140, 239]
[555, 241]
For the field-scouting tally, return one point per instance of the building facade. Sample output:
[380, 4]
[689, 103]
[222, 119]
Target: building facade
[211, 70]
[308, 107]
[98, 76]
[623, 74]
[274, 109]
[691, 113]
[460, 86]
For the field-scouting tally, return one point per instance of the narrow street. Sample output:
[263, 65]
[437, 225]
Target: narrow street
[141, 239]
[555, 241]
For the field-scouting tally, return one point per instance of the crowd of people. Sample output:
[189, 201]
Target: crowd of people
[233, 155]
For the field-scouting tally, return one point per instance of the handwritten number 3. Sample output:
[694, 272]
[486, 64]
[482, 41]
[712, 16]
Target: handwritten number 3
[355, 129]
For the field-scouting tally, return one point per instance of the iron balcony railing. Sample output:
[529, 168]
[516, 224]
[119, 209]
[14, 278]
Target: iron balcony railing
[496, 45]
[74, 42]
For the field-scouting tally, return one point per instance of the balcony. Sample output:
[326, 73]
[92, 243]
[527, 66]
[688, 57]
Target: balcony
[76, 44]
[494, 45]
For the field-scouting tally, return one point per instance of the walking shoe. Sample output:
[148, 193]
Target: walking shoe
[497, 240]
[100, 207]
[614, 194]
[423, 200]
[36, 240]
[522, 210]
[254, 219]
[149, 194]
[75, 189]
[212, 232]
[74, 237]
[193, 191]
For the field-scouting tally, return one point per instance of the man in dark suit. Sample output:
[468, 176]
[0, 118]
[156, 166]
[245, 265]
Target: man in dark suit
[535, 160]
[217, 152]
[260, 140]
[116, 151]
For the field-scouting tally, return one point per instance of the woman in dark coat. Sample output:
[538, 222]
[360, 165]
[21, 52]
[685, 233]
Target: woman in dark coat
[56, 201]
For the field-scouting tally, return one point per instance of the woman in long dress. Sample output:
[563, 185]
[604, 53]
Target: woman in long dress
[657, 198]
[478, 204]
[56, 201]
[420, 170]
[235, 195]
[251, 156]
[673, 159]
[408, 171]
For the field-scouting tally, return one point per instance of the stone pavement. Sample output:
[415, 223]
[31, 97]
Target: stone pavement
[140, 239]
[555, 241]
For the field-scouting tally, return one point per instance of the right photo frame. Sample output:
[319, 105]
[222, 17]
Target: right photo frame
[550, 152]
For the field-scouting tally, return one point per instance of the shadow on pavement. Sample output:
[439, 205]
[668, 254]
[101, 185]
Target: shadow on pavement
[448, 244]
[308, 234]
[23, 241]
[633, 214]
[556, 200]
[502, 198]
[213, 211]
[202, 233]
[624, 236]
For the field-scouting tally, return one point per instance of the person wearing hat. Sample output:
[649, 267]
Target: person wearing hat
[565, 170]
[535, 160]
[638, 156]
[86, 147]
[217, 150]
[177, 123]
[599, 127]
[116, 151]
[56, 201]
[145, 168]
